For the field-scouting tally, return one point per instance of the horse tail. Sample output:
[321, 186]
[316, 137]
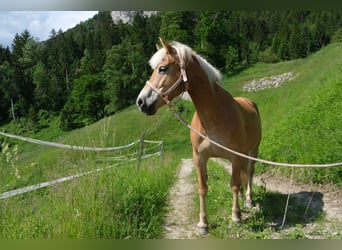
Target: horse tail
[247, 170]
[256, 108]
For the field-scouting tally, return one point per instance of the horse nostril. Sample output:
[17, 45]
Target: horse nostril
[145, 107]
[140, 102]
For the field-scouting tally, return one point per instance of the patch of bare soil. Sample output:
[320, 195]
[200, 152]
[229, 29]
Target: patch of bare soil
[322, 199]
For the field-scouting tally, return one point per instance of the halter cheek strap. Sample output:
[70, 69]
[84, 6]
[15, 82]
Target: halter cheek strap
[164, 95]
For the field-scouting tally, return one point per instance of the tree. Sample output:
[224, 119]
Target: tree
[124, 74]
[152, 29]
[7, 91]
[5, 54]
[299, 42]
[232, 59]
[42, 92]
[88, 64]
[26, 52]
[213, 38]
[337, 37]
[85, 104]
[6, 82]
[177, 26]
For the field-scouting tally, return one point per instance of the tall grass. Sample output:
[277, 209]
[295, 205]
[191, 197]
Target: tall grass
[120, 202]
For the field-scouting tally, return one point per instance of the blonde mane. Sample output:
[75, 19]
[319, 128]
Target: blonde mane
[186, 54]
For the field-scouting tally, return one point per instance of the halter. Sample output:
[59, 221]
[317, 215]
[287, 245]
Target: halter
[165, 95]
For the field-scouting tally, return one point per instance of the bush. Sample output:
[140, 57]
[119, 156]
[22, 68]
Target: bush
[268, 56]
[337, 37]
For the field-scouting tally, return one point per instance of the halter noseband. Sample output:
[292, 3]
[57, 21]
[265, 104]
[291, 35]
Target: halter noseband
[164, 95]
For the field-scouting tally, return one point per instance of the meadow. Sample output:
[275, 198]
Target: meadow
[301, 122]
[301, 119]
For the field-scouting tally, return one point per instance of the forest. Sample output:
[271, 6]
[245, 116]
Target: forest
[97, 68]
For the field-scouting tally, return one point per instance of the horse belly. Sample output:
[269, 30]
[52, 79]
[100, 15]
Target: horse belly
[206, 148]
[203, 146]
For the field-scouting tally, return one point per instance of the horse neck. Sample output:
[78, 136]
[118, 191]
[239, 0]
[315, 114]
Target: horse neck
[210, 100]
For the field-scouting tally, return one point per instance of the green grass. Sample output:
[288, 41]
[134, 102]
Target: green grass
[120, 202]
[117, 203]
[301, 119]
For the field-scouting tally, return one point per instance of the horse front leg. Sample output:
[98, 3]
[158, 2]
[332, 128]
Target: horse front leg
[200, 163]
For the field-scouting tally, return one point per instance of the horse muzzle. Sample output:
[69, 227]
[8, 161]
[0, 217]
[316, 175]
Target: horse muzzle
[147, 102]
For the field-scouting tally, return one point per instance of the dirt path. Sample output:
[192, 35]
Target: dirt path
[181, 216]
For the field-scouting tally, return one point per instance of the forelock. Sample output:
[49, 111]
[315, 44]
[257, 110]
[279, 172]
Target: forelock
[183, 52]
[157, 58]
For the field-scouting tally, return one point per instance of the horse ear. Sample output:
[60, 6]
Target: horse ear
[169, 49]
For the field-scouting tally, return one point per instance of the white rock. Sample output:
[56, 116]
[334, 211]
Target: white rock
[268, 82]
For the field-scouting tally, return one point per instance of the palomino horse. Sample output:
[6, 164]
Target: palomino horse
[231, 122]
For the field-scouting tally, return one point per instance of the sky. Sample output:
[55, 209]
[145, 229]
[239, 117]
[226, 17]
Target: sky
[38, 23]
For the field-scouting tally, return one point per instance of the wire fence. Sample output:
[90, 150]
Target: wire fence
[134, 151]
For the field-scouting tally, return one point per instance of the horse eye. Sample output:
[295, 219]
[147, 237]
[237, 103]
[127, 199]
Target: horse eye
[162, 69]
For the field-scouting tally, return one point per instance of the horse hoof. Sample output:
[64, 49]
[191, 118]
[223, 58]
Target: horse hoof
[202, 230]
[236, 217]
[234, 224]
[248, 204]
[238, 223]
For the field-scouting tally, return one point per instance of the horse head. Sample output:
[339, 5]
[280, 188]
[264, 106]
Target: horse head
[165, 82]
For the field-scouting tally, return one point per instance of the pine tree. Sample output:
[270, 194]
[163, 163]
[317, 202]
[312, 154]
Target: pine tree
[85, 104]
[124, 74]
[25, 52]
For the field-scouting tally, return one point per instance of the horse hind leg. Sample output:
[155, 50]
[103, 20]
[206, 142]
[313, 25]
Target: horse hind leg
[250, 173]
[236, 183]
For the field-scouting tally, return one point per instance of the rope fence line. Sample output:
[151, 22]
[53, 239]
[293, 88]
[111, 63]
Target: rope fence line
[122, 159]
[65, 146]
[23, 190]
[279, 164]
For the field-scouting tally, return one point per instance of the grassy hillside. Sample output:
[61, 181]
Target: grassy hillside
[119, 202]
[301, 121]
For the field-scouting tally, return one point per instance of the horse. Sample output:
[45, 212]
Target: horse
[232, 122]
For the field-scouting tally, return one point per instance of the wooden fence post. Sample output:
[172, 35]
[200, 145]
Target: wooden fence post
[161, 153]
[141, 148]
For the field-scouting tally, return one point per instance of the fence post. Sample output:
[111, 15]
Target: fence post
[161, 152]
[141, 148]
